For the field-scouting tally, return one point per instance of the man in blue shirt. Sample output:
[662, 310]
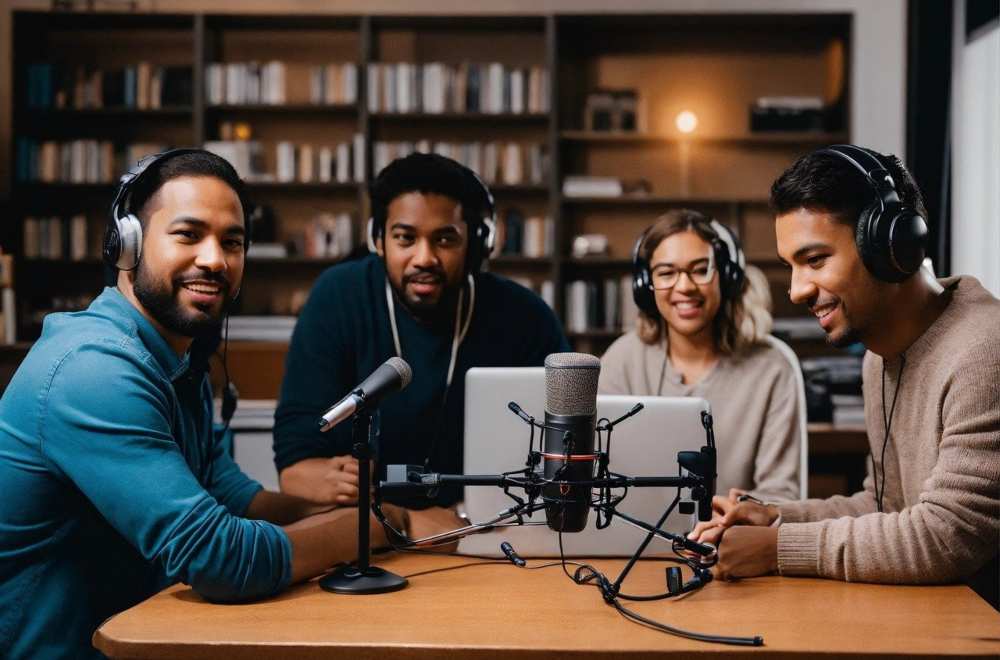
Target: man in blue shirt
[422, 298]
[114, 485]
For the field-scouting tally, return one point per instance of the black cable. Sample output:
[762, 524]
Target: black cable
[756, 640]
[887, 425]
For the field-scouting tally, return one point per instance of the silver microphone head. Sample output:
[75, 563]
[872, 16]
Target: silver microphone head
[571, 383]
[403, 369]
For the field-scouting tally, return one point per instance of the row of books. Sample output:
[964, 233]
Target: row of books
[307, 163]
[333, 84]
[245, 83]
[435, 88]
[534, 236]
[77, 161]
[142, 86]
[600, 305]
[509, 163]
[55, 238]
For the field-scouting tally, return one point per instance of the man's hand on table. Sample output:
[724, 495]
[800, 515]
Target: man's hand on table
[743, 532]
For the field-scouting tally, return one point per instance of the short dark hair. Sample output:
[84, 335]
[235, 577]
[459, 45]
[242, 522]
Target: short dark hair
[825, 182]
[193, 163]
[428, 173]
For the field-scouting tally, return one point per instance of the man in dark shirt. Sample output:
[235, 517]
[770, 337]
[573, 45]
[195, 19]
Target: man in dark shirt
[421, 298]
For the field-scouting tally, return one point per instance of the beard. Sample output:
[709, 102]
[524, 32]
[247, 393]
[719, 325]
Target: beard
[426, 309]
[849, 336]
[160, 300]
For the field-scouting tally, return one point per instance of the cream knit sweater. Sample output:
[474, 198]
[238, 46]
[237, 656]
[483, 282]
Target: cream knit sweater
[941, 519]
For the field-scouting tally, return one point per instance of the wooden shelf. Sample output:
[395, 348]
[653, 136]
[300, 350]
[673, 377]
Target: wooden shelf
[514, 260]
[317, 262]
[657, 200]
[539, 188]
[598, 262]
[280, 109]
[755, 139]
[506, 117]
[302, 186]
[117, 112]
[581, 52]
[39, 262]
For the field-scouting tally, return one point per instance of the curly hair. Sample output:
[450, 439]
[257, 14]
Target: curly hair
[741, 322]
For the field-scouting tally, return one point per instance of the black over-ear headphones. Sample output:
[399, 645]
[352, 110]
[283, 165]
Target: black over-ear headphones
[122, 245]
[482, 231]
[891, 236]
[730, 262]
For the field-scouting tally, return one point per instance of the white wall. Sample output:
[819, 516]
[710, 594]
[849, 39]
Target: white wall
[975, 135]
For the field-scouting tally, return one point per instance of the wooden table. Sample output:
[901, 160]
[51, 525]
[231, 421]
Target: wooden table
[498, 610]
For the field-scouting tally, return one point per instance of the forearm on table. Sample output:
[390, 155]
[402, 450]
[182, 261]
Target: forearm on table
[282, 508]
[321, 541]
[305, 479]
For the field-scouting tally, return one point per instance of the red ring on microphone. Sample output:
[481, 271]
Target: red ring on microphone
[571, 457]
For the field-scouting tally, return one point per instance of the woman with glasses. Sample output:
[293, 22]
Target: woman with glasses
[703, 331]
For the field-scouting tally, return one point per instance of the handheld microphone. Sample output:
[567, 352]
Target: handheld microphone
[393, 375]
[568, 452]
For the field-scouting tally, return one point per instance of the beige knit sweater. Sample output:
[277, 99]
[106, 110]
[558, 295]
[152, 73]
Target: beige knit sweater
[941, 520]
[754, 399]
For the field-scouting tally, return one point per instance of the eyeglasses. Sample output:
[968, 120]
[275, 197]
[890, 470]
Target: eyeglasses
[667, 277]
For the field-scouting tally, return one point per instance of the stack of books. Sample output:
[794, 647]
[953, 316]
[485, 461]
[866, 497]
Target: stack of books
[592, 186]
[787, 113]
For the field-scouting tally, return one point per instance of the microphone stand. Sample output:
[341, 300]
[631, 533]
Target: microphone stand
[362, 577]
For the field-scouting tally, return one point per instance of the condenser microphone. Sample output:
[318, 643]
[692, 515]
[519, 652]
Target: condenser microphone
[568, 449]
[393, 375]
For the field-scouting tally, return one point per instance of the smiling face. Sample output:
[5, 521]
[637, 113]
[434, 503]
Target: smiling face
[828, 275]
[192, 258]
[689, 307]
[424, 247]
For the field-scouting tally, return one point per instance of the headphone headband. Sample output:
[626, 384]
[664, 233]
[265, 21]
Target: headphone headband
[890, 235]
[729, 258]
[482, 243]
[122, 246]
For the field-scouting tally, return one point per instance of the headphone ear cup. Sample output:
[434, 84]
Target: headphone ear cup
[123, 243]
[642, 283]
[112, 245]
[907, 242]
[370, 236]
[870, 246]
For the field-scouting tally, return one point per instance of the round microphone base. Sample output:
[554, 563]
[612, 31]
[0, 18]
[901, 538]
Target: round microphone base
[372, 580]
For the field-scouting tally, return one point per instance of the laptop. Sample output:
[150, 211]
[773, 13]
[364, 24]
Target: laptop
[646, 444]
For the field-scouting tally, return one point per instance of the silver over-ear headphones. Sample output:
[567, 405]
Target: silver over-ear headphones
[122, 245]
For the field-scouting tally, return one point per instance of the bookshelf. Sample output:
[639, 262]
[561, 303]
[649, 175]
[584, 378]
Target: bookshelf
[714, 65]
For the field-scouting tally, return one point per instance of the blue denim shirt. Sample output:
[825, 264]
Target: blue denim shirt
[114, 486]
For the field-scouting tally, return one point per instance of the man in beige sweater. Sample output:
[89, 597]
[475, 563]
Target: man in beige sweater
[930, 509]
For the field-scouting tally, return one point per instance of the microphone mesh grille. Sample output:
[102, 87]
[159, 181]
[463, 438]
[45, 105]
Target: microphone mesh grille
[571, 383]
[403, 369]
